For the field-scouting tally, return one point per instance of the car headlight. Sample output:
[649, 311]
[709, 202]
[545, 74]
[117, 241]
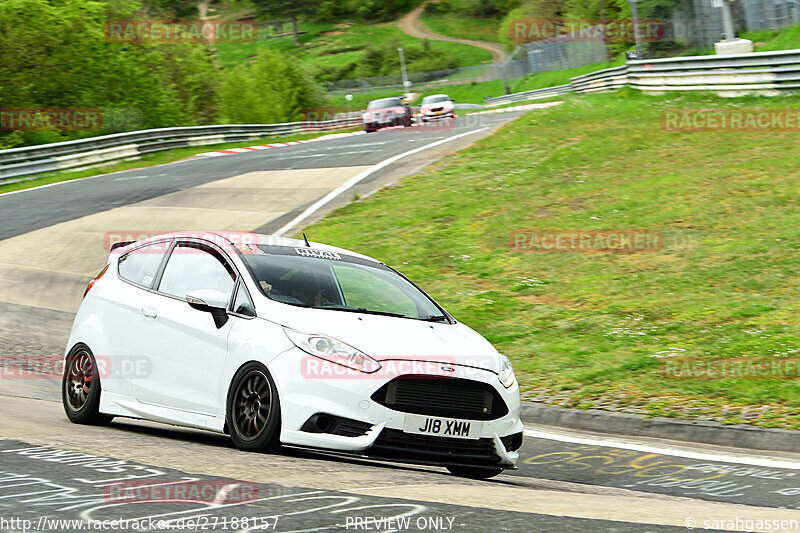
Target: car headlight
[506, 374]
[333, 350]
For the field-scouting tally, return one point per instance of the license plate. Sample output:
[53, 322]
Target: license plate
[442, 427]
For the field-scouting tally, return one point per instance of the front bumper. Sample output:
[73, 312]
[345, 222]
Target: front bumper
[436, 116]
[350, 397]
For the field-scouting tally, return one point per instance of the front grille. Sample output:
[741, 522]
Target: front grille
[436, 109]
[442, 396]
[393, 443]
[350, 428]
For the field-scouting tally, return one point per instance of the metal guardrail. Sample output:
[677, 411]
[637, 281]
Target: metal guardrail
[529, 95]
[26, 162]
[733, 75]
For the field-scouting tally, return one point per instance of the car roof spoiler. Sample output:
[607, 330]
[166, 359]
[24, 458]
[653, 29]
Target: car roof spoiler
[120, 244]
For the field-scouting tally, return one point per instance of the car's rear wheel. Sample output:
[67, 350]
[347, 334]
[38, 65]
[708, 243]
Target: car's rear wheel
[253, 410]
[474, 472]
[80, 388]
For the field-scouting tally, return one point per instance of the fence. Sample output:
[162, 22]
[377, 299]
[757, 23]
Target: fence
[699, 24]
[765, 73]
[489, 72]
[17, 164]
[540, 56]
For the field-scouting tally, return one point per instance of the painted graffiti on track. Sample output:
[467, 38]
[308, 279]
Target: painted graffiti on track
[653, 472]
[48, 489]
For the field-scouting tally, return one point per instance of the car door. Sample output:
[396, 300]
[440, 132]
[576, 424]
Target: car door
[128, 317]
[187, 348]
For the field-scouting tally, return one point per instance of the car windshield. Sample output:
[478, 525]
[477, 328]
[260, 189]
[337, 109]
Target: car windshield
[435, 99]
[307, 277]
[386, 102]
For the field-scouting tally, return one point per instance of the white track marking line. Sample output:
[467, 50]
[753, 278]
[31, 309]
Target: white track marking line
[187, 160]
[140, 177]
[365, 489]
[62, 182]
[666, 450]
[359, 177]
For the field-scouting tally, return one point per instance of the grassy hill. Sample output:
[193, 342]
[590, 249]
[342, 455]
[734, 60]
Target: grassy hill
[597, 329]
[331, 44]
[457, 18]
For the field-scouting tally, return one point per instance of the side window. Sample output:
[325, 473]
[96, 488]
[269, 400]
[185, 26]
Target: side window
[243, 304]
[191, 267]
[140, 266]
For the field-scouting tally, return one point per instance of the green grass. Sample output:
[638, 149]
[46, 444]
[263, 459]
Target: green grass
[158, 158]
[329, 44]
[562, 77]
[455, 24]
[773, 40]
[583, 329]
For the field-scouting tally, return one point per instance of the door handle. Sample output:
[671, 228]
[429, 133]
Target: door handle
[149, 312]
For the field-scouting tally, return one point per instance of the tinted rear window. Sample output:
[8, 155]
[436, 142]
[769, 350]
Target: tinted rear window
[140, 266]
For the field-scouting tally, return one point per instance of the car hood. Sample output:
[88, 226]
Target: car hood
[384, 338]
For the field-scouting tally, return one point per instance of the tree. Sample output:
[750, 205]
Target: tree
[289, 10]
[271, 90]
[55, 55]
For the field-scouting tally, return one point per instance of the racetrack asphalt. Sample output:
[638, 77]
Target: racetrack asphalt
[51, 234]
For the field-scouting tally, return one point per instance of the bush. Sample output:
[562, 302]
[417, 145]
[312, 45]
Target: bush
[270, 90]
[442, 6]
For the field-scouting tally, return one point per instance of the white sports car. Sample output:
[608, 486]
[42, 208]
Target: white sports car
[279, 341]
[437, 106]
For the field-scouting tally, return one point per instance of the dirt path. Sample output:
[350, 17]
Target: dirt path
[411, 24]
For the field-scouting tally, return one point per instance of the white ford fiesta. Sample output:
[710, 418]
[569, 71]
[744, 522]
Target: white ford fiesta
[277, 341]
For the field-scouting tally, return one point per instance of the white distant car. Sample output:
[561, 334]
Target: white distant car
[279, 341]
[437, 106]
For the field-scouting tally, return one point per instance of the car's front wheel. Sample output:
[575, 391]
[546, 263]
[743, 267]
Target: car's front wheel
[253, 409]
[474, 472]
[80, 388]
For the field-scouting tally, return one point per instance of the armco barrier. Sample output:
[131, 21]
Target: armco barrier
[26, 162]
[733, 75]
[765, 73]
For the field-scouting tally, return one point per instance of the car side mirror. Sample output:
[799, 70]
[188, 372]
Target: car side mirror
[210, 301]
